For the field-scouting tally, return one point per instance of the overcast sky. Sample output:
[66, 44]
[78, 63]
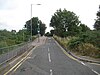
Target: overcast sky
[14, 13]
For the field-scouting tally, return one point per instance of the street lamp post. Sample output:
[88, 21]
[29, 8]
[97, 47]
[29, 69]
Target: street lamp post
[31, 18]
[38, 32]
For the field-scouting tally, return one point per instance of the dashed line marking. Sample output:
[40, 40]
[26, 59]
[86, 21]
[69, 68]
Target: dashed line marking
[49, 57]
[48, 50]
[51, 73]
[95, 72]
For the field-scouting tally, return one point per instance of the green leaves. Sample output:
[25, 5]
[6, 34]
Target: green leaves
[35, 28]
[97, 22]
[64, 21]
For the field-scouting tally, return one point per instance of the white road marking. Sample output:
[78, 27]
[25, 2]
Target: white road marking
[83, 63]
[49, 38]
[31, 57]
[48, 50]
[51, 73]
[91, 69]
[49, 57]
[95, 72]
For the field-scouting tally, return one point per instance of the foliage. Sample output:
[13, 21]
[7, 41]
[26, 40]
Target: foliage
[76, 44]
[73, 43]
[97, 23]
[37, 25]
[88, 49]
[7, 38]
[63, 21]
[87, 43]
[42, 28]
[82, 39]
[3, 44]
[92, 37]
[84, 28]
[52, 32]
[48, 34]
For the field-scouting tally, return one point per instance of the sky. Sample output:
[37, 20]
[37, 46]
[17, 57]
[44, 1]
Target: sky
[14, 13]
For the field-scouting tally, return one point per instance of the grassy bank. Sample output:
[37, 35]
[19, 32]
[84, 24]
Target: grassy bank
[74, 44]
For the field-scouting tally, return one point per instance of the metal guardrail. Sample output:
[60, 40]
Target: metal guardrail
[10, 52]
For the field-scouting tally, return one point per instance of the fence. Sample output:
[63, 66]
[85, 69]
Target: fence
[10, 52]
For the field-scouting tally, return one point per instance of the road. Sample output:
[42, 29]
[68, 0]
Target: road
[50, 59]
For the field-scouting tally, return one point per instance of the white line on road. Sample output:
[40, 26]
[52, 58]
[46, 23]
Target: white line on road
[83, 63]
[51, 73]
[48, 50]
[31, 57]
[95, 72]
[91, 69]
[49, 57]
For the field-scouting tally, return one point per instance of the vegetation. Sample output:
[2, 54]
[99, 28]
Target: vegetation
[37, 26]
[9, 38]
[63, 21]
[74, 35]
[97, 23]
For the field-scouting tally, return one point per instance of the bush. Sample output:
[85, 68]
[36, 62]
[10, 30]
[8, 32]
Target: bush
[88, 49]
[87, 43]
[92, 37]
[10, 42]
[3, 44]
[74, 43]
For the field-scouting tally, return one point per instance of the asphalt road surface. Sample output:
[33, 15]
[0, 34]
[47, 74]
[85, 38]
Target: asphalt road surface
[49, 59]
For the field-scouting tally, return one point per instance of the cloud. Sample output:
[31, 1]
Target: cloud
[14, 13]
[7, 4]
[4, 26]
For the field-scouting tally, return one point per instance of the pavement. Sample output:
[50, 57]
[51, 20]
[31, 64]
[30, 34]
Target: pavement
[39, 41]
[49, 58]
[85, 58]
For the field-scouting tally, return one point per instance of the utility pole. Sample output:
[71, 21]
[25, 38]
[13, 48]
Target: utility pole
[31, 19]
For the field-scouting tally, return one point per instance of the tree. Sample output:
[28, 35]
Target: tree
[52, 32]
[35, 28]
[42, 27]
[84, 28]
[48, 34]
[97, 23]
[63, 21]
[35, 21]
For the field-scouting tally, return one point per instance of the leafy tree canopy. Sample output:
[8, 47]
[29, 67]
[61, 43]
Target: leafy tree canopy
[63, 21]
[37, 25]
[97, 22]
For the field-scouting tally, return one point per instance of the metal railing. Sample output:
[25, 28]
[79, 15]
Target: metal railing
[7, 53]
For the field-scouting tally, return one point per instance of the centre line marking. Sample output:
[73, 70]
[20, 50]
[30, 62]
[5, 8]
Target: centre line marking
[48, 50]
[49, 57]
[51, 73]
